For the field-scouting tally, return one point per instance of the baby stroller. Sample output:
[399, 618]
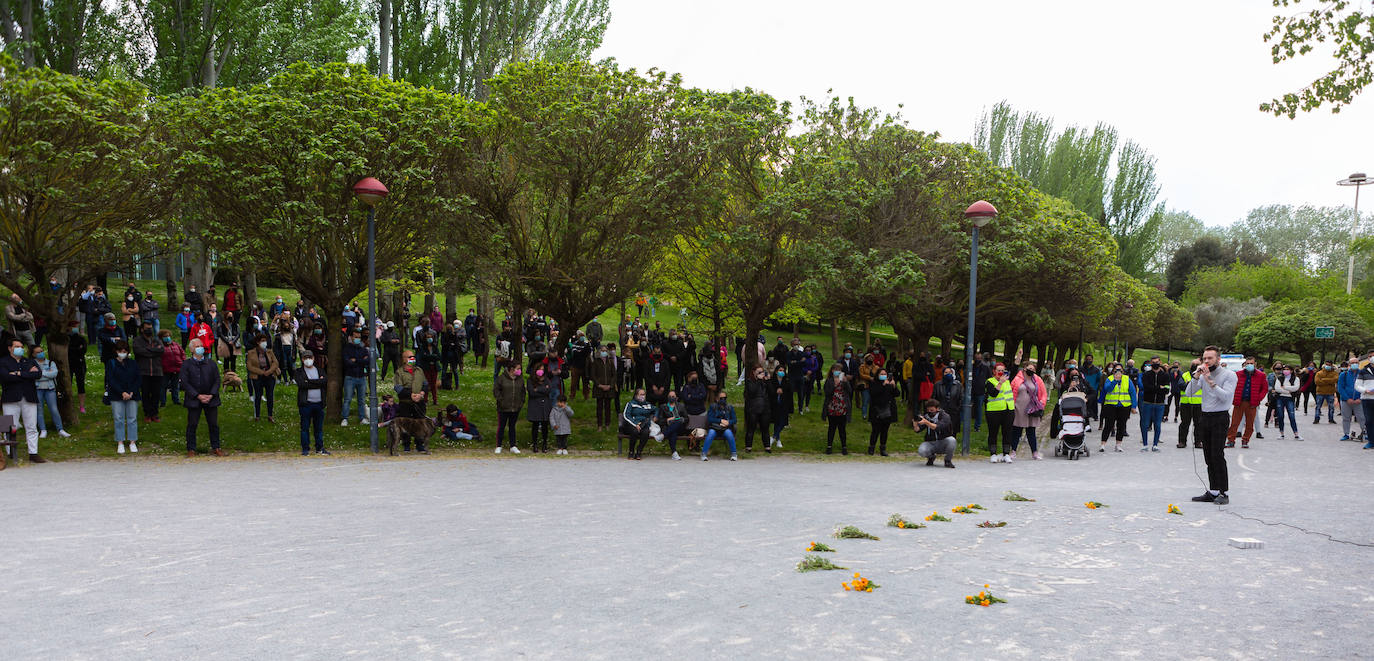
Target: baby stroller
[1069, 424]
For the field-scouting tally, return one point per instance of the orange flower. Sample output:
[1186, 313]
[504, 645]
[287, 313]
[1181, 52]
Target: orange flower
[986, 602]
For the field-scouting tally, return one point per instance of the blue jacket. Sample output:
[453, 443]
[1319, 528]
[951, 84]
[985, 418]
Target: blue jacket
[1345, 385]
[184, 321]
[122, 378]
[1107, 388]
[637, 413]
[714, 415]
[355, 360]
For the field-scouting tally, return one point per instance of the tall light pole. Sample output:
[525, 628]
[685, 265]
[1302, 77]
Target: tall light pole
[1357, 179]
[369, 191]
[978, 214]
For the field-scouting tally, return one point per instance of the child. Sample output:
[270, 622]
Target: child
[560, 420]
[388, 410]
[456, 424]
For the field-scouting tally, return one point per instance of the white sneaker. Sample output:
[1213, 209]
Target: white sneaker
[364, 421]
[44, 434]
[344, 422]
[734, 457]
[1296, 437]
[996, 459]
[1144, 449]
[515, 450]
[703, 457]
[1035, 456]
[676, 458]
[133, 447]
[498, 449]
[1087, 428]
[119, 447]
[1008, 458]
[777, 442]
[63, 433]
[1280, 437]
[1118, 448]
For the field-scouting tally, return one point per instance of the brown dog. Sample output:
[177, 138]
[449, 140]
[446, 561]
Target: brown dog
[231, 381]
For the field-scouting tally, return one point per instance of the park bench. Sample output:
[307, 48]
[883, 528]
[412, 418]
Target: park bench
[9, 443]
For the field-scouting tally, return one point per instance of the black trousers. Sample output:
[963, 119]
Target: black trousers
[755, 422]
[505, 420]
[1114, 416]
[837, 423]
[390, 359]
[193, 421]
[152, 391]
[1213, 428]
[878, 434]
[1189, 414]
[999, 424]
[605, 411]
[638, 437]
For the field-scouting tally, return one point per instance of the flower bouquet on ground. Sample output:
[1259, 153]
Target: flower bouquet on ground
[1016, 497]
[936, 516]
[984, 598]
[1173, 509]
[1093, 505]
[860, 584]
[990, 524]
[816, 563]
[817, 547]
[898, 521]
[967, 509]
[850, 532]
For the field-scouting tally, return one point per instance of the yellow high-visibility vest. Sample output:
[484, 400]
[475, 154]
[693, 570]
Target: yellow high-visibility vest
[1121, 394]
[1189, 399]
[1003, 401]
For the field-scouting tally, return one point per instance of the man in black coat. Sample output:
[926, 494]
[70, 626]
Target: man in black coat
[310, 388]
[200, 382]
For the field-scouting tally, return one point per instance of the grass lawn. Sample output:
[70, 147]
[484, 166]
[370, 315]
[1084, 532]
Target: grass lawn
[93, 435]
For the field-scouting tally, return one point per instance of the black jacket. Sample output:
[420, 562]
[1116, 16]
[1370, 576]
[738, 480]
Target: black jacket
[148, 350]
[756, 397]
[200, 377]
[779, 403]
[122, 378]
[693, 397]
[882, 401]
[19, 378]
[355, 360]
[305, 384]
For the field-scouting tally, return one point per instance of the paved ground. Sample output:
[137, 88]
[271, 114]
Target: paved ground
[571, 558]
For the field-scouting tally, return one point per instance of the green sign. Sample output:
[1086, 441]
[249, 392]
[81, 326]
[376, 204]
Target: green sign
[1326, 333]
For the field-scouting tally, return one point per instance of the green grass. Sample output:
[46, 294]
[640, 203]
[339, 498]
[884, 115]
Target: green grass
[93, 434]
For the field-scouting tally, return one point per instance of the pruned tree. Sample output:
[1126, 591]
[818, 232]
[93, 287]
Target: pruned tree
[275, 164]
[81, 183]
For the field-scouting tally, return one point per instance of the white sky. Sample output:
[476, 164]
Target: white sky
[1183, 78]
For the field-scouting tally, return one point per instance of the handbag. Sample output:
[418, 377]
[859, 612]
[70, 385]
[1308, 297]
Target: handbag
[655, 432]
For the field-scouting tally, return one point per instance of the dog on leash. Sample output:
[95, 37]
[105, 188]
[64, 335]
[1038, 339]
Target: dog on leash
[231, 382]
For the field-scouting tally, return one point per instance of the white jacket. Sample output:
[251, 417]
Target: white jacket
[1287, 386]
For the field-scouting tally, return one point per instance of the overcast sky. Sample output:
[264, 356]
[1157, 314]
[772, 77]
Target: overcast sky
[1183, 78]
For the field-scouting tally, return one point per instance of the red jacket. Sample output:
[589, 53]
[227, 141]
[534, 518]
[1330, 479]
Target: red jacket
[1259, 386]
[172, 358]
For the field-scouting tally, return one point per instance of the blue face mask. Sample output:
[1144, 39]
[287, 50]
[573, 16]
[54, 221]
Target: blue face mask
[882, 377]
[781, 374]
[200, 352]
[1249, 368]
[18, 352]
[837, 374]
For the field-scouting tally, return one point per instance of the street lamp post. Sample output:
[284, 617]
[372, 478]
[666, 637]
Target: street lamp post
[978, 214]
[369, 191]
[1357, 179]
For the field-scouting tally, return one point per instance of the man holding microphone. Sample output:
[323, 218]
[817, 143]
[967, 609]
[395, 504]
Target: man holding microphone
[1217, 386]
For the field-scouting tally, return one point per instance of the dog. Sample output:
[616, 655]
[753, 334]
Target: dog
[231, 381]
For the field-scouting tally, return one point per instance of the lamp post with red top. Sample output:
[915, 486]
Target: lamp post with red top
[978, 214]
[369, 191]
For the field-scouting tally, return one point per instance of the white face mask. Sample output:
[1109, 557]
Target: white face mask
[308, 362]
[121, 355]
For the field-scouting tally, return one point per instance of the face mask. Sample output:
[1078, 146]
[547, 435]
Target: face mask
[721, 402]
[1147, 368]
[516, 372]
[318, 331]
[261, 345]
[882, 377]
[1073, 366]
[1288, 372]
[949, 378]
[604, 354]
[781, 374]
[837, 374]
[357, 340]
[200, 352]
[410, 361]
[186, 310]
[128, 298]
[1328, 367]
[539, 372]
[110, 323]
[148, 332]
[122, 355]
[279, 300]
[848, 355]
[40, 355]
[1249, 368]
[308, 362]
[166, 340]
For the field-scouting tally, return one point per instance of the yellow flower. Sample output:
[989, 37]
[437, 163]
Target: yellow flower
[856, 574]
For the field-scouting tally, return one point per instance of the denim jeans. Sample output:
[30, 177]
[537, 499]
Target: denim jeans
[980, 402]
[1330, 402]
[355, 386]
[1030, 438]
[1151, 415]
[1289, 406]
[729, 435]
[312, 417]
[48, 398]
[125, 419]
[864, 402]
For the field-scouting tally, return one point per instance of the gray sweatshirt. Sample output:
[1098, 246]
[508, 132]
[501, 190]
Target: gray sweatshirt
[559, 420]
[1215, 398]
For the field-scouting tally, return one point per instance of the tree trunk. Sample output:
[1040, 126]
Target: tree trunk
[1009, 350]
[868, 334]
[26, 29]
[451, 306]
[752, 327]
[946, 347]
[384, 37]
[834, 338]
[66, 403]
[333, 350]
[250, 292]
[170, 275]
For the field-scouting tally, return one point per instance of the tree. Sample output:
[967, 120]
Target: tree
[275, 163]
[1204, 252]
[1218, 318]
[77, 37]
[1270, 281]
[79, 177]
[1349, 28]
[456, 45]
[582, 175]
[1290, 326]
[1177, 228]
[1314, 239]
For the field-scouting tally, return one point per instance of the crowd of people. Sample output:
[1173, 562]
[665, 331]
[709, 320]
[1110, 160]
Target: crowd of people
[674, 389]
